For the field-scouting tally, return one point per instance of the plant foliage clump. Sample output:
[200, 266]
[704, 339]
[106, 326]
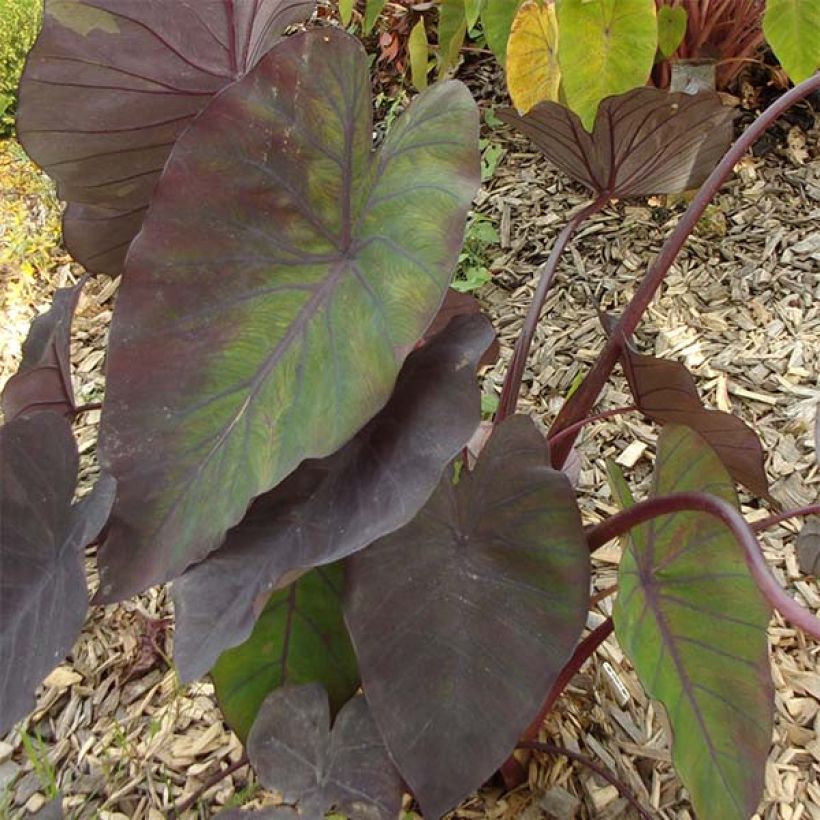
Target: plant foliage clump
[19, 24]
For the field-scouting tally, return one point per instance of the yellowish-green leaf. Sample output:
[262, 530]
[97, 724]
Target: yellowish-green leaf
[607, 47]
[345, 11]
[472, 11]
[496, 19]
[418, 48]
[371, 13]
[792, 29]
[672, 22]
[533, 73]
[452, 28]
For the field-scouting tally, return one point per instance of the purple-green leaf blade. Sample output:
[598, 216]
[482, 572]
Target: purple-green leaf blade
[463, 619]
[300, 637]
[330, 508]
[644, 142]
[43, 594]
[693, 622]
[110, 85]
[282, 274]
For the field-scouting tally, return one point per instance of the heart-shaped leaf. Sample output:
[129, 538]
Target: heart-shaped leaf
[282, 275]
[533, 74]
[665, 391]
[644, 142]
[110, 85]
[294, 752]
[43, 380]
[607, 47]
[300, 637]
[463, 619]
[672, 22]
[693, 622]
[43, 594]
[792, 29]
[328, 509]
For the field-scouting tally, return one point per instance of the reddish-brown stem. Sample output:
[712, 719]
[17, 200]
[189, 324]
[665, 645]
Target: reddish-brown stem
[512, 382]
[606, 414]
[186, 804]
[85, 408]
[582, 652]
[798, 512]
[623, 790]
[644, 511]
[603, 594]
[583, 400]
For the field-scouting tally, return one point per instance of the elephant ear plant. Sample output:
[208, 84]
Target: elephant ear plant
[291, 391]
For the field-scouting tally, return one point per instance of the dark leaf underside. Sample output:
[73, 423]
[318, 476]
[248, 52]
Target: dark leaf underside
[43, 595]
[331, 508]
[111, 84]
[644, 142]
[462, 619]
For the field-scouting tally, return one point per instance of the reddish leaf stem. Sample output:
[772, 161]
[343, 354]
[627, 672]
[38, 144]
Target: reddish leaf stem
[606, 414]
[515, 372]
[764, 524]
[582, 652]
[644, 511]
[582, 401]
[186, 804]
[85, 408]
[623, 790]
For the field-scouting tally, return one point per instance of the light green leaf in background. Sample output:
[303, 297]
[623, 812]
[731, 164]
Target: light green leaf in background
[672, 21]
[606, 47]
[792, 29]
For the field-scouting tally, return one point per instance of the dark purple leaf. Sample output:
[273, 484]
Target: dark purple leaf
[284, 272]
[463, 619]
[665, 391]
[295, 753]
[808, 547]
[111, 84]
[43, 380]
[644, 142]
[328, 509]
[43, 595]
[455, 304]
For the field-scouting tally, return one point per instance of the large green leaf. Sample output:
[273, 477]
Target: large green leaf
[300, 637]
[496, 19]
[792, 29]
[283, 273]
[692, 620]
[606, 47]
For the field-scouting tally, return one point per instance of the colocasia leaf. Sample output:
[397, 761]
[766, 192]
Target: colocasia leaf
[692, 620]
[111, 84]
[43, 595]
[43, 380]
[491, 576]
[665, 391]
[294, 752]
[644, 142]
[300, 637]
[496, 19]
[331, 508]
[282, 275]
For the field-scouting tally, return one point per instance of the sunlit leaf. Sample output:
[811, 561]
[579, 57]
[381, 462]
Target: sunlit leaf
[672, 21]
[273, 294]
[607, 47]
[43, 380]
[328, 509]
[346, 11]
[43, 595]
[496, 19]
[693, 622]
[533, 74]
[792, 29]
[462, 619]
[644, 142]
[300, 637]
[295, 753]
[111, 84]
